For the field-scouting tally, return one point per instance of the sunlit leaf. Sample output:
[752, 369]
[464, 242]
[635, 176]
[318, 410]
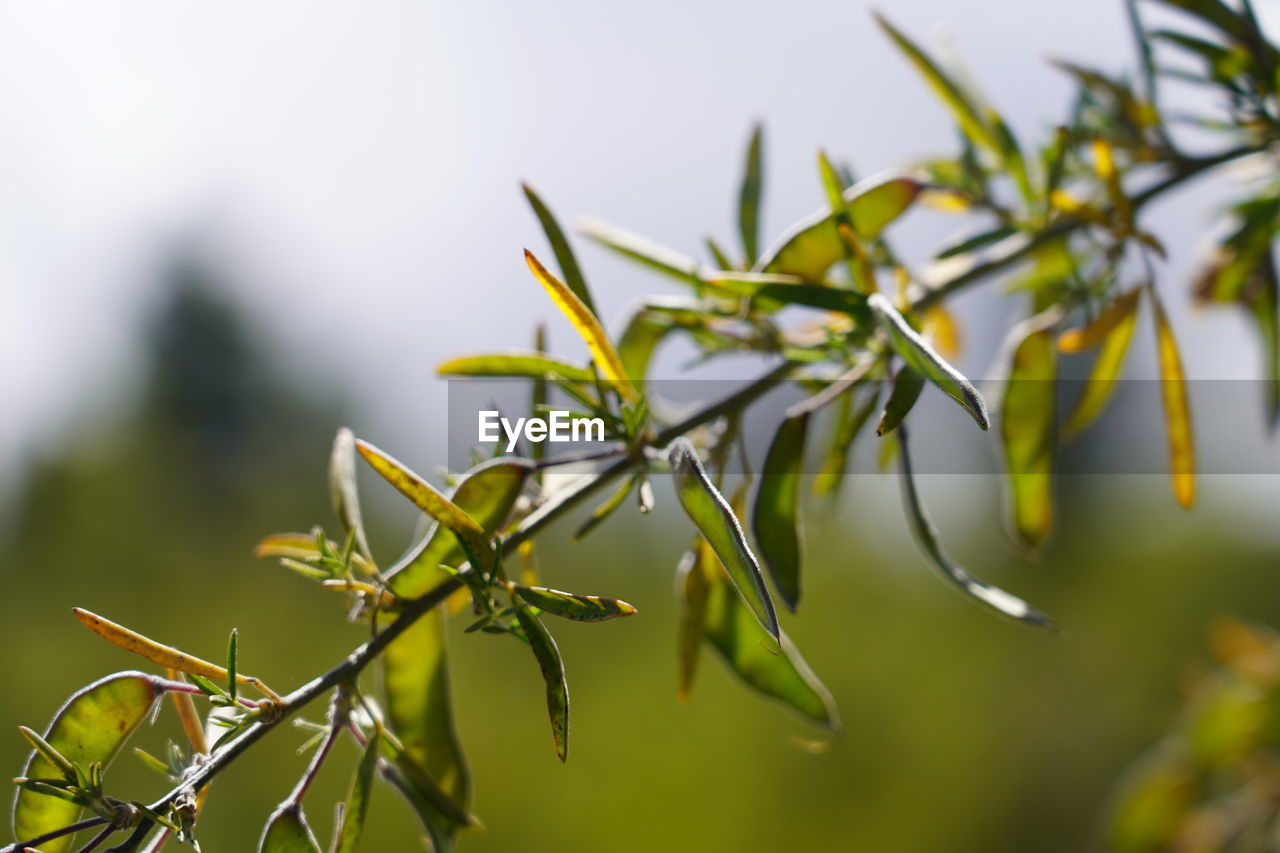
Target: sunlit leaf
[92, 726]
[941, 327]
[287, 831]
[771, 291]
[643, 250]
[692, 588]
[356, 808]
[1113, 328]
[907, 385]
[926, 537]
[548, 656]
[775, 520]
[963, 109]
[810, 247]
[560, 246]
[749, 196]
[428, 499]
[847, 429]
[571, 605]
[342, 488]
[924, 359]
[487, 494]
[531, 365]
[587, 326]
[1027, 424]
[1177, 408]
[711, 514]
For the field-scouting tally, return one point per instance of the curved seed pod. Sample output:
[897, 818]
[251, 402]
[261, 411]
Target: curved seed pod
[586, 324]
[158, 653]
[571, 605]
[560, 246]
[342, 488]
[907, 385]
[287, 831]
[1027, 421]
[548, 655]
[926, 536]
[810, 247]
[920, 354]
[91, 727]
[775, 520]
[487, 493]
[718, 524]
[774, 670]
[523, 365]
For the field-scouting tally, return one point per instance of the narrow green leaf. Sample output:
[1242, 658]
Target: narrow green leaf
[718, 524]
[92, 726]
[775, 669]
[749, 196]
[907, 385]
[852, 420]
[1027, 421]
[643, 250]
[606, 509]
[548, 656]
[560, 246]
[487, 493]
[530, 365]
[926, 537]
[775, 520]
[429, 500]
[287, 831]
[232, 657]
[977, 241]
[920, 354]
[356, 809]
[810, 247]
[718, 255]
[1116, 336]
[571, 605]
[771, 292]
[342, 489]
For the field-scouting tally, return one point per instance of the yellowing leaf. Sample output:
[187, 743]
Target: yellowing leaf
[1177, 409]
[548, 656]
[586, 324]
[92, 726]
[943, 330]
[1027, 418]
[575, 606]
[533, 365]
[1116, 328]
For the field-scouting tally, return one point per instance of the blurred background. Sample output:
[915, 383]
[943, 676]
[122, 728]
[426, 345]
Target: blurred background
[226, 231]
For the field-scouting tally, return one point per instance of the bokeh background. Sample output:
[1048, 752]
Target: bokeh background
[227, 230]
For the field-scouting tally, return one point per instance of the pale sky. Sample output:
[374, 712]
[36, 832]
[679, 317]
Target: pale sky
[357, 165]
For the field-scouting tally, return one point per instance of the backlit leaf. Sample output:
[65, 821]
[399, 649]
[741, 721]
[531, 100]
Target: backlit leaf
[1114, 329]
[487, 493]
[356, 808]
[1177, 409]
[532, 365]
[810, 247]
[548, 656]
[924, 359]
[846, 431]
[711, 514]
[926, 537]
[571, 605]
[775, 520]
[643, 250]
[92, 726]
[692, 588]
[560, 246]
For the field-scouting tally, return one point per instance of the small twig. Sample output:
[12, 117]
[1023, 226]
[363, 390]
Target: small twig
[98, 839]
